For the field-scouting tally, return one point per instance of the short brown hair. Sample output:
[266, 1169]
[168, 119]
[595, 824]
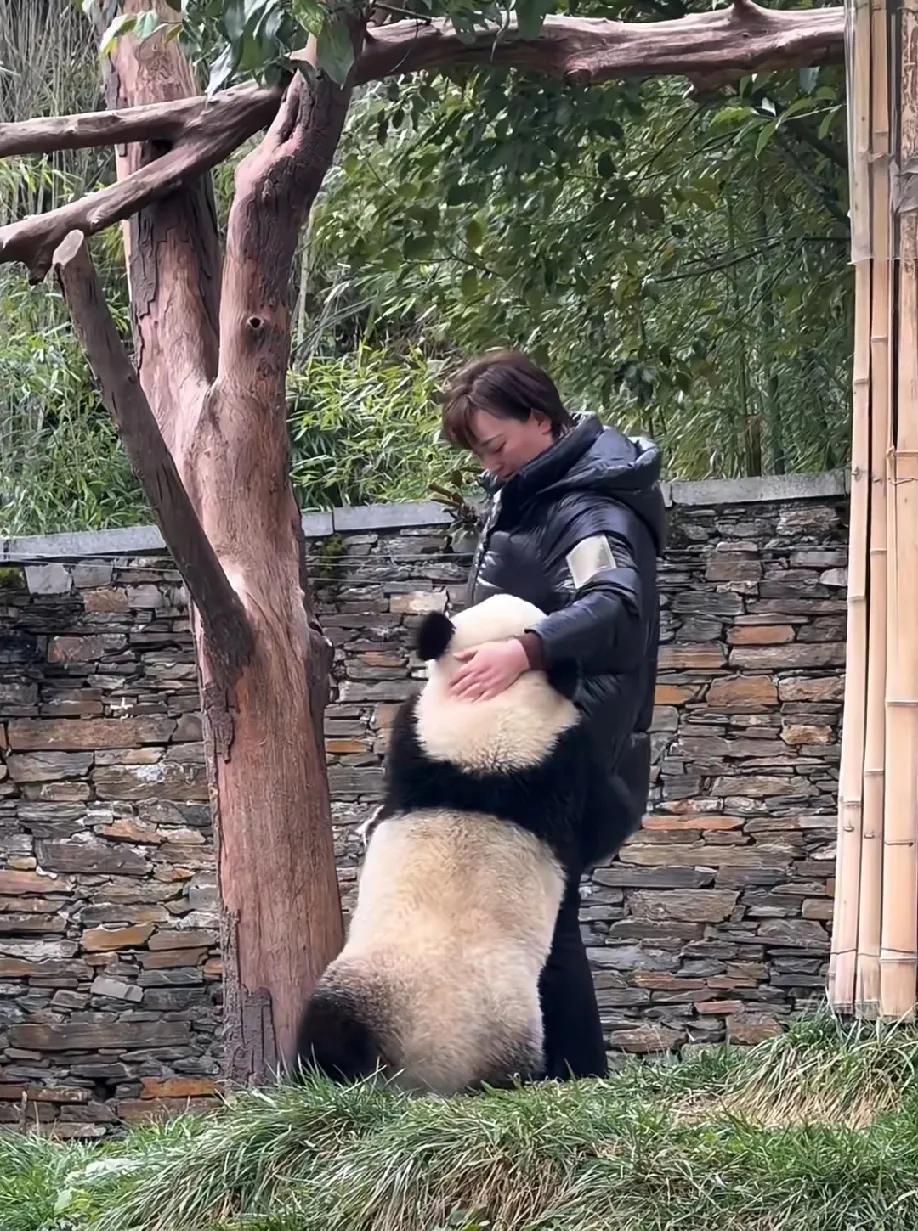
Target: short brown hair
[506, 384]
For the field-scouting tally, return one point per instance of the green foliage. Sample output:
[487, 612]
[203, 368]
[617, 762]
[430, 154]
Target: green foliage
[681, 269]
[814, 1131]
[365, 429]
[243, 39]
[61, 467]
[32, 1171]
[680, 264]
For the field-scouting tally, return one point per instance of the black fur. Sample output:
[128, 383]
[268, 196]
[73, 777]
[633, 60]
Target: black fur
[435, 632]
[570, 800]
[547, 800]
[334, 1037]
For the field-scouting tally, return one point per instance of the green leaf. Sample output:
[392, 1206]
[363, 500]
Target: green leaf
[768, 131]
[308, 13]
[460, 194]
[530, 14]
[335, 51]
[417, 247]
[469, 284]
[728, 117]
[222, 69]
[797, 107]
[123, 24]
[64, 1198]
[827, 121]
[147, 23]
[392, 259]
[808, 77]
[474, 233]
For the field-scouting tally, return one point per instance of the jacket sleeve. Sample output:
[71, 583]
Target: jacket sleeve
[605, 625]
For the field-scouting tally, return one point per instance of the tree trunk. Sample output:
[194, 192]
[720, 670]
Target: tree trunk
[213, 367]
[276, 861]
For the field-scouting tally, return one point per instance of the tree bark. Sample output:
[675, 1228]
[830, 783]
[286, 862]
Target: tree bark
[276, 865]
[171, 245]
[168, 121]
[200, 146]
[228, 639]
[706, 47]
[183, 137]
[711, 47]
[213, 368]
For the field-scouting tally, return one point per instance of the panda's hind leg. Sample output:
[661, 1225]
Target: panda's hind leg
[343, 1032]
[334, 1039]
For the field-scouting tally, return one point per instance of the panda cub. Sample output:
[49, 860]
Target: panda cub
[437, 985]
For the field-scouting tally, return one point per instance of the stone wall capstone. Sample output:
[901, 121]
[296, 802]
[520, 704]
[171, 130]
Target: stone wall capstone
[712, 924]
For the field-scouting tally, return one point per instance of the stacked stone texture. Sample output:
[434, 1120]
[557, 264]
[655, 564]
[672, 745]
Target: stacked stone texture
[713, 923]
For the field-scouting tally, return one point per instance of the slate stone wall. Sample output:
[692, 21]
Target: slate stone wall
[713, 924]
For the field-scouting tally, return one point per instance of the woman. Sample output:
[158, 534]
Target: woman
[575, 526]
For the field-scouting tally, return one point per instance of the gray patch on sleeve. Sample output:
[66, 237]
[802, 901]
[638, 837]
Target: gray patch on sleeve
[589, 557]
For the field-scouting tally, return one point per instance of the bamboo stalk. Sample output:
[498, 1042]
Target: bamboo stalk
[842, 965]
[867, 987]
[899, 951]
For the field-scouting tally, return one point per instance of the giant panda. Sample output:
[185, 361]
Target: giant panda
[484, 801]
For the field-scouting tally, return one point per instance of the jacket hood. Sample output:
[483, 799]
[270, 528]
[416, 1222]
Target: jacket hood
[591, 457]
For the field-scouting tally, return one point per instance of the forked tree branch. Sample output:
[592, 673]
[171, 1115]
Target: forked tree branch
[229, 637]
[276, 185]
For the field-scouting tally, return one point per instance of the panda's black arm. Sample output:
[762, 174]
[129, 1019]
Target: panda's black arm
[403, 757]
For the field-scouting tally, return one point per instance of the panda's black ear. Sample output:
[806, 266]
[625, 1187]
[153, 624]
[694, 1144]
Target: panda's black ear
[564, 678]
[434, 635]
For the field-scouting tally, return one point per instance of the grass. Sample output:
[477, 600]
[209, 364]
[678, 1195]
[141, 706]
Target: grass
[816, 1130]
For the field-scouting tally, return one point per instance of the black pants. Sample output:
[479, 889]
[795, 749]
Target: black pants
[574, 1044]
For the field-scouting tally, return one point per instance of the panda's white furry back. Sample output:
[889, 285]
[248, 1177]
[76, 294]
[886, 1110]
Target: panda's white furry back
[484, 805]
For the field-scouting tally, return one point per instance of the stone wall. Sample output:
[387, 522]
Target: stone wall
[712, 924]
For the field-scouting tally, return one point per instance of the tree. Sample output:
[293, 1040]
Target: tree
[204, 425]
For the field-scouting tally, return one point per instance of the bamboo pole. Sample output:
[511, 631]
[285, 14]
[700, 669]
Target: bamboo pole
[842, 965]
[867, 985]
[899, 951]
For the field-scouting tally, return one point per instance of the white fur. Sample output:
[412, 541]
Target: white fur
[455, 911]
[517, 728]
[450, 905]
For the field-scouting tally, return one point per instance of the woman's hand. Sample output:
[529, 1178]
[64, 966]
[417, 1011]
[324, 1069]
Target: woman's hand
[489, 669]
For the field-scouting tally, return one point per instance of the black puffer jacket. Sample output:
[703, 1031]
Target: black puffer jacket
[577, 531]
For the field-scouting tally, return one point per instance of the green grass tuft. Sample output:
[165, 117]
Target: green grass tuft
[816, 1130]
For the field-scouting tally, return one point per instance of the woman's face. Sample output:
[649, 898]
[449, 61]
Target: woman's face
[503, 446]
